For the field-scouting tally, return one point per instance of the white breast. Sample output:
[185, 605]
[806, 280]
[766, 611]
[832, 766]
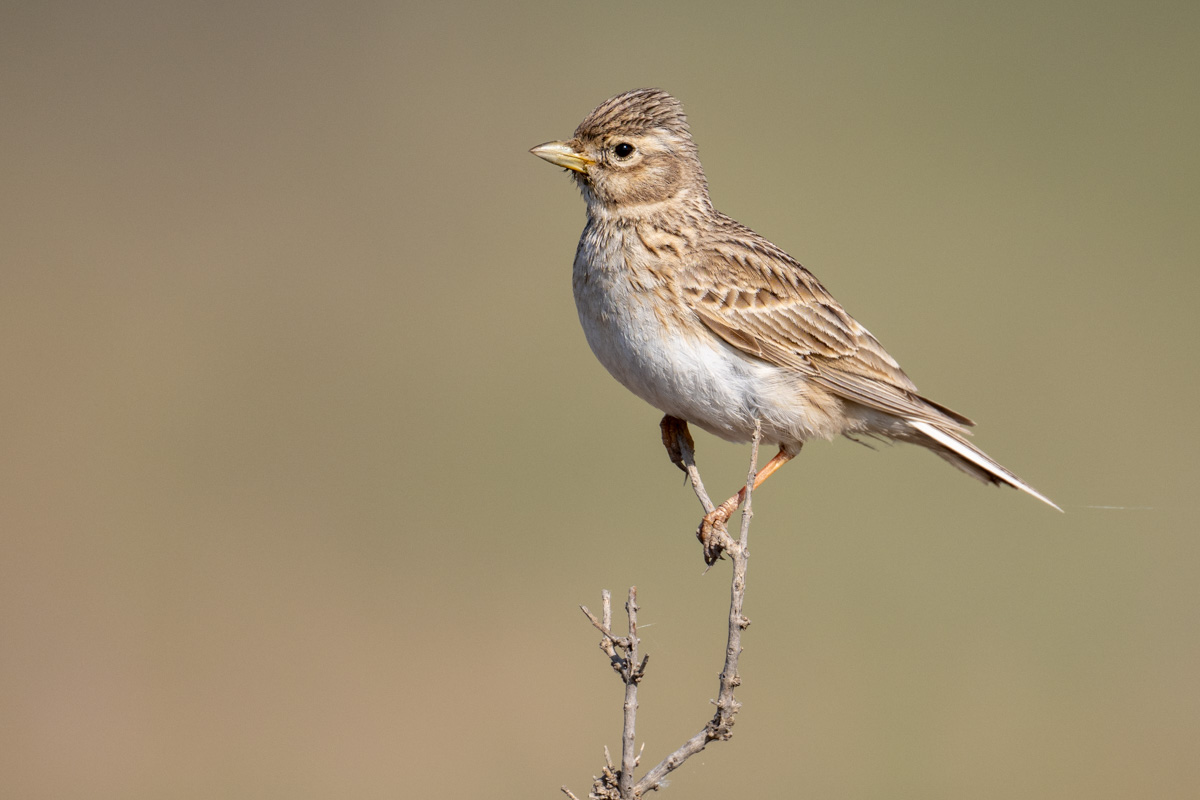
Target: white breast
[675, 363]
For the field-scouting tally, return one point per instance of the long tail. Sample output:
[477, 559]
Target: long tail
[973, 461]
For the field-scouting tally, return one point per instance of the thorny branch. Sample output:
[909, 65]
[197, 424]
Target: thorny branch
[622, 651]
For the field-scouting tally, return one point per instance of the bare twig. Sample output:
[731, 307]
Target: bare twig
[632, 677]
[688, 454]
[622, 652]
[720, 727]
[619, 784]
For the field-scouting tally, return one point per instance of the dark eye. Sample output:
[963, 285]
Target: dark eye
[623, 150]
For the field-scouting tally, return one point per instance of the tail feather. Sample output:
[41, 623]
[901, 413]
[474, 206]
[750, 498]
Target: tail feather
[971, 460]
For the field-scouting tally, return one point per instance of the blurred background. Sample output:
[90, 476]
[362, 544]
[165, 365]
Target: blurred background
[307, 466]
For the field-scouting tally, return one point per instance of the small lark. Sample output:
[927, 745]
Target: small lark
[711, 323]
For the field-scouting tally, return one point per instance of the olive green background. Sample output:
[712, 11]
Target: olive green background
[306, 464]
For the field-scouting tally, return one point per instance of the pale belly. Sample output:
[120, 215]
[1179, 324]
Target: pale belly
[683, 370]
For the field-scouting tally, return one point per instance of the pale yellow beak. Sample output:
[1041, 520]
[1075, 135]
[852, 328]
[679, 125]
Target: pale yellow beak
[563, 155]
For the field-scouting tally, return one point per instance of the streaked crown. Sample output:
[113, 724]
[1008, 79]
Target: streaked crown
[636, 112]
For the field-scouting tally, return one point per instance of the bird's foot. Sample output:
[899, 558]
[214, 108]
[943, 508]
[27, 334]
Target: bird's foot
[713, 532]
[675, 437]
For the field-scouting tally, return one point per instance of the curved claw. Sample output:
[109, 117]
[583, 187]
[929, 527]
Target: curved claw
[710, 542]
[712, 532]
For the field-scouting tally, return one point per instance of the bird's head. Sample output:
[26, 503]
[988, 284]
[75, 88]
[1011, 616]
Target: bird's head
[634, 149]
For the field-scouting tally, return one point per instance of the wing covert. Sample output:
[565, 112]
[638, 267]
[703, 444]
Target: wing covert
[770, 307]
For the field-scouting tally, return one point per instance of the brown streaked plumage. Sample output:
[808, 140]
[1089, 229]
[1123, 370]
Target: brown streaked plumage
[713, 324]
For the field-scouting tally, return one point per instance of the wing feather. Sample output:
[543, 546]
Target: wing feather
[780, 313]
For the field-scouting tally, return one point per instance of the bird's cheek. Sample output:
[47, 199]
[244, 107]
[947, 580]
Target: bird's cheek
[669, 175]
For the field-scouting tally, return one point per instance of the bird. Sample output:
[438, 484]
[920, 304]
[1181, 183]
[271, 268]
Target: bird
[714, 325]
